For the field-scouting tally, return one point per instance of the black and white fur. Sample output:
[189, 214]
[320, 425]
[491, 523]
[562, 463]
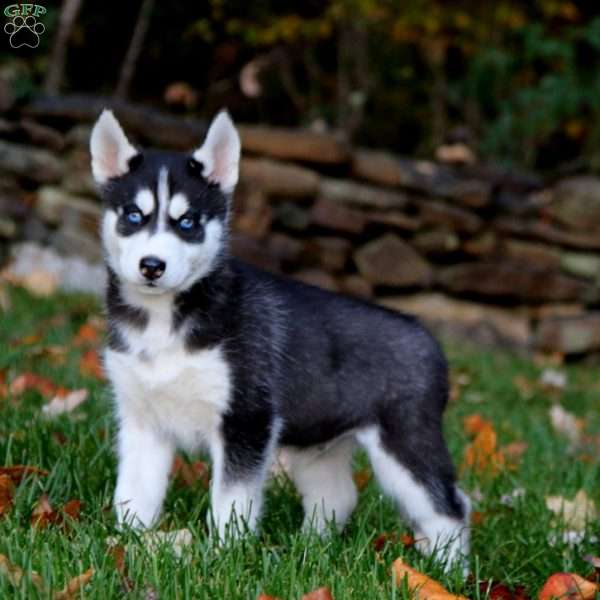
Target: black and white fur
[205, 350]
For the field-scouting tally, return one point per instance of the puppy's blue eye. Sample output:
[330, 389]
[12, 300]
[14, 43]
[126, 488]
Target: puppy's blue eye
[134, 217]
[186, 224]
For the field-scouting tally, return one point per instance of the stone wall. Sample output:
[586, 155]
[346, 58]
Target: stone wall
[490, 255]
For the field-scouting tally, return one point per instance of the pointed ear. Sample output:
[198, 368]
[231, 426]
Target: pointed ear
[220, 153]
[110, 148]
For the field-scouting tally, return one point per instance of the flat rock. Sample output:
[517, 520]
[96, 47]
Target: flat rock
[350, 192]
[436, 241]
[278, 178]
[513, 281]
[569, 335]
[355, 285]
[331, 253]
[294, 144]
[477, 323]
[318, 278]
[334, 215]
[530, 254]
[388, 260]
[581, 264]
[32, 163]
[576, 203]
[435, 213]
[55, 206]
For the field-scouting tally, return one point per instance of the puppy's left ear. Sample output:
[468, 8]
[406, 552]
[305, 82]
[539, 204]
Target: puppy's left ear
[220, 153]
[110, 149]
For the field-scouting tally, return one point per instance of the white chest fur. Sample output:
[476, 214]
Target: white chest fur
[160, 384]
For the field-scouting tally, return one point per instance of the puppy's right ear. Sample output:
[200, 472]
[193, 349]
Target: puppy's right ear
[110, 148]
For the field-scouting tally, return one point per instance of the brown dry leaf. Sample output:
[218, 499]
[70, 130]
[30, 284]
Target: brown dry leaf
[32, 381]
[189, 474]
[15, 574]
[513, 453]
[73, 587]
[266, 597]
[90, 365]
[477, 517]
[18, 472]
[44, 514]
[576, 513]
[566, 423]
[481, 455]
[362, 478]
[321, 593]
[7, 488]
[422, 586]
[500, 591]
[568, 586]
[65, 404]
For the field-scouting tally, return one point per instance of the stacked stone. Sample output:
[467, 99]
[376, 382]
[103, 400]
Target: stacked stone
[478, 252]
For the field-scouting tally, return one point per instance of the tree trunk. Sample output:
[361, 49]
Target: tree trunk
[68, 13]
[135, 49]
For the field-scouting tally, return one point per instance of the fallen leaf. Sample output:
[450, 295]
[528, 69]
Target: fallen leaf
[566, 423]
[90, 365]
[44, 514]
[362, 478]
[568, 586]
[15, 574]
[266, 597]
[500, 591]
[7, 488]
[32, 381]
[189, 474]
[422, 586]
[513, 453]
[73, 587]
[576, 513]
[475, 423]
[321, 593]
[87, 335]
[481, 455]
[477, 517]
[65, 404]
[18, 472]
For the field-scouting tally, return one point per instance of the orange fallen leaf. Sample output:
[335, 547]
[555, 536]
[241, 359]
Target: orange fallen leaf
[481, 455]
[87, 335]
[473, 424]
[422, 586]
[321, 593]
[7, 488]
[477, 517]
[189, 474]
[73, 587]
[568, 586]
[15, 574]
[513, 453]
[90, 365]
[266, 597]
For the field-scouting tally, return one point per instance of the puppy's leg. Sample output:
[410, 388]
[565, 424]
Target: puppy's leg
[416, 471]
[241, 453]
[324, 479]
[145, 458]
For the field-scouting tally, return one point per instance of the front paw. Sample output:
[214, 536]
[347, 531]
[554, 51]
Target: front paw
[134, 514]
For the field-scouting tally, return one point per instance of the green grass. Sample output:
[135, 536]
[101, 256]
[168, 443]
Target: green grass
[511, 544]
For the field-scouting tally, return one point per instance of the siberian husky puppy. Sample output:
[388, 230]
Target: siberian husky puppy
[206, 351]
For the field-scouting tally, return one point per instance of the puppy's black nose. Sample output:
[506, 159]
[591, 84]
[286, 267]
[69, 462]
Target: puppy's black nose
[152, 267]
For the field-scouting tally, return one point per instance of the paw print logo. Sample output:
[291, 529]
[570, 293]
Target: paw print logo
[24, 31]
